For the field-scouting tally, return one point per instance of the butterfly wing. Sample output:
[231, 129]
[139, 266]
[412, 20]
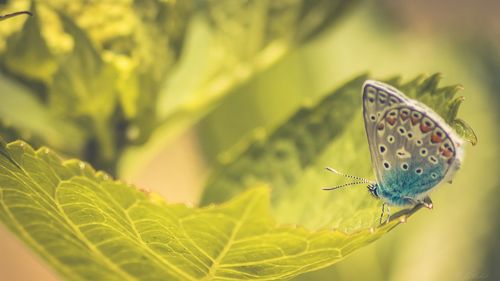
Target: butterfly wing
[377, 99]
[412, 148]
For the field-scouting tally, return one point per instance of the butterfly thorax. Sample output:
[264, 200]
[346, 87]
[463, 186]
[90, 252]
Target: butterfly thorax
[391, 195]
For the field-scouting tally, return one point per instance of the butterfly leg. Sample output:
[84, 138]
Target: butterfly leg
[383, 211]
[427, 202]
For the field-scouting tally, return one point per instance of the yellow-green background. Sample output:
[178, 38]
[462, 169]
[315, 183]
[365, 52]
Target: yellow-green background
[458, 240]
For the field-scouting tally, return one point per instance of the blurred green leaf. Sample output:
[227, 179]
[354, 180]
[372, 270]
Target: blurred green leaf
[27, 53]
[124, 71]
[84, 85]
[317, 16]
[292, 159]
[20, 109]
[284, 153]
[109, 60]
[89, 227]
[239, 39]
[84, 89]
[227, 43]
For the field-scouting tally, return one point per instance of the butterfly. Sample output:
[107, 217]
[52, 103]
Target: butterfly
[412, 148]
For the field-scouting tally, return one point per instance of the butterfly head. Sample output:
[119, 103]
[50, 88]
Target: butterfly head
[372, 188]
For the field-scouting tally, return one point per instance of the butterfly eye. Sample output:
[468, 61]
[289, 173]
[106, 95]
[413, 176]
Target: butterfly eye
[419, 171]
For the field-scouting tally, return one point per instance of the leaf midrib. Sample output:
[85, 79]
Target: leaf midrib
[140, 241]
[213, 268]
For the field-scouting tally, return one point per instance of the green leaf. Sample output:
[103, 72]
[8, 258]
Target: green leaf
[248, 36]
[36, 120]
[316, 16]
[84, 84]
[442, 100]
[291, 159]
[126, 71]
[240, 39]
[90, 227]
[27, 53]
[465, 130]
[286, 151]
[84, 90]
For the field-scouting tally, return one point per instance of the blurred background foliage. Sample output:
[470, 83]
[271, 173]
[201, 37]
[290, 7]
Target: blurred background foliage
[115, 71]
[161, 93]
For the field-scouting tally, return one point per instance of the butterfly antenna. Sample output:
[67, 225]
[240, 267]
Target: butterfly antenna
[343, 185]
[363, 180]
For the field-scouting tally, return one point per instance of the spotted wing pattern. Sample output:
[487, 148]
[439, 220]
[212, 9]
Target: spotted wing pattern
[412, 148]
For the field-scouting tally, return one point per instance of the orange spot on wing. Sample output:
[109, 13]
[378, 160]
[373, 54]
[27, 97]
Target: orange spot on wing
[445, 152]
[391, 120]
[436, 139]
[414, 120]
[380, 126]
[424, 128]
[404, 115]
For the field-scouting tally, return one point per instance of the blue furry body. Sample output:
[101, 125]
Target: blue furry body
[398, 185]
